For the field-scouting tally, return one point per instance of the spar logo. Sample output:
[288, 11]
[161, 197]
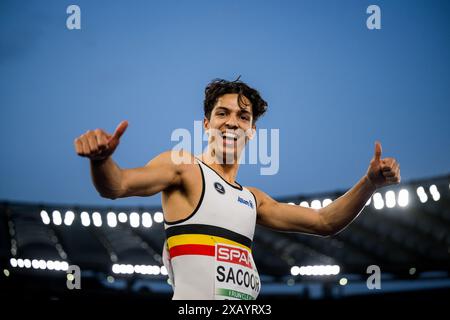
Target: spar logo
[233, 255]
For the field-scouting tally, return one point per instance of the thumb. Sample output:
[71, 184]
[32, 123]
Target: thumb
[377, 156]
[119, 130]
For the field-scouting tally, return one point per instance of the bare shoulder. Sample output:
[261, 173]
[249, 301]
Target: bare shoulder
[179, 161]
[260, 196]
[165, 171]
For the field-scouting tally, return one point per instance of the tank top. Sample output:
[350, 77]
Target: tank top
[208, 254]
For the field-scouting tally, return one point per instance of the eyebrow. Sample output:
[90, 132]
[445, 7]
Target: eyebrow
[242, 110]
[222, 107]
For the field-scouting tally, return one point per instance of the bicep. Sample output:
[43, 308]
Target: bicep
[287, 217]
[157, 175]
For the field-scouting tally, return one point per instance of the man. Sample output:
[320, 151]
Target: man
[209, 217]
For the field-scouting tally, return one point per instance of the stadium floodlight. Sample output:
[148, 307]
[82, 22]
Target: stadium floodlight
[27, 263]
[315, 204]
[423, 197]
[326, 202]
[42, 264]
[138, 269]
[129, 269]
[134, 220]
[146, 220]
[51, 265]
[45, 218]
[116, 268]
[304, 204]
[378, 202]
[156, 270]
[20, 263]
[390, 199]
[295, 270]
[123, 217]
[403, 198]
[56, 265]
[343, 281]
[111, 219]
[152, 270]
[434, 192]
[145, 269]
[35, 264]
[164, 271]
[97, 219]
[158, 217]
[85, 220]
[320, 270]
[68, 218]
[56, 215]
[13, 262]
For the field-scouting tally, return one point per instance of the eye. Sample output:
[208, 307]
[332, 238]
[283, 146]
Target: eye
[246, 118]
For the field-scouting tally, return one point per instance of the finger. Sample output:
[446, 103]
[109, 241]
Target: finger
[102, 142]
[391, 167]
[397, 173]
[78, 146]
[393, 180]
[85, 146]
[120, 130]
[389, 174]
[377, 155]
[396, 167]
[92, 142]
[388, 164]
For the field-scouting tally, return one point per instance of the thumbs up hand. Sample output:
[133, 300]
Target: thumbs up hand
[383, 172]
[98, 144]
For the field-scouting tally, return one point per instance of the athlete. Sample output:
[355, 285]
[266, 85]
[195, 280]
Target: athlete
[209, 217]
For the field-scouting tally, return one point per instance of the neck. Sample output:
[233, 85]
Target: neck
[227, 171]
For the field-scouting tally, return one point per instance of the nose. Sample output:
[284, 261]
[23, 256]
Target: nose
[232, 122]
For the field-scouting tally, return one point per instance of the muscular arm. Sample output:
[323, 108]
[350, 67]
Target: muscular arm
[337, 215]
[325, 221]
[113, 182]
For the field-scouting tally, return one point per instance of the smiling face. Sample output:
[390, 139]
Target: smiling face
[230, 126]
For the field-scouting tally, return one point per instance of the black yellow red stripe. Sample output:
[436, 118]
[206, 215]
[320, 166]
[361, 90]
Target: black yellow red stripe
[196, 239]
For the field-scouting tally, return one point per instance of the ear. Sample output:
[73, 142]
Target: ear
[206, 124]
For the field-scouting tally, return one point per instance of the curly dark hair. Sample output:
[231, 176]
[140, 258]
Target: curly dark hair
[218, 87]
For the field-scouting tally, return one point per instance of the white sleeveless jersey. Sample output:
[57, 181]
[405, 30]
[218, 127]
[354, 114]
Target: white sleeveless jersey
[208, 254]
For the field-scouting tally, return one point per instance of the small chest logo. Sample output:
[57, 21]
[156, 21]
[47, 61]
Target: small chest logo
[220, 189]
[246, 202]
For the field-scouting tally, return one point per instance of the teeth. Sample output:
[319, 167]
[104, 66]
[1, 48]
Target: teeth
[229, 135]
